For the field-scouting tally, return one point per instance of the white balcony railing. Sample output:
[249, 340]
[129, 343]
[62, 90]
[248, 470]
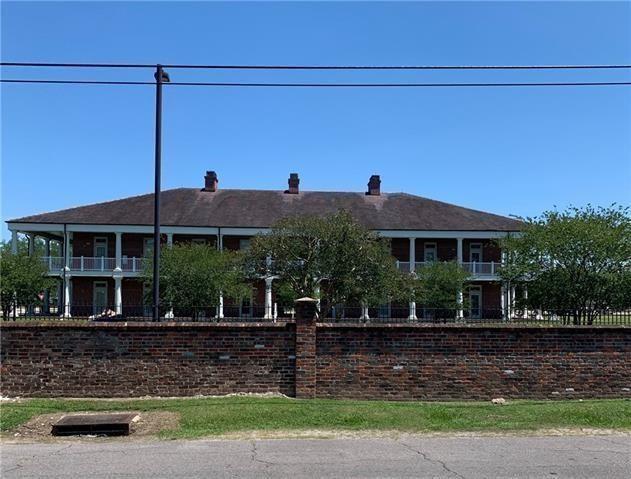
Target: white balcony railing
[478, 270]
[93, 264]
[133, 264]
[87, 263]
[483, 269]
[54, 263]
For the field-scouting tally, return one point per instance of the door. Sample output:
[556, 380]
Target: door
[475, 303]
[475, 257]
[99, 300]
[100, 247]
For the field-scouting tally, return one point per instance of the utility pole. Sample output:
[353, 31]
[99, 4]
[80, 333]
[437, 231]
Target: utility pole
[161, 77]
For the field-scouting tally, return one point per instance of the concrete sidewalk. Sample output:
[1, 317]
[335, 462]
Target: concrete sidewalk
[408, 456]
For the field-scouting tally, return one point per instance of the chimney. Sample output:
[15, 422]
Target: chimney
[211, 181]
[374, 186]
[293, 182]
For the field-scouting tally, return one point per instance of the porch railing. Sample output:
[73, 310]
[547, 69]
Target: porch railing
[477, 269]
[92, 264]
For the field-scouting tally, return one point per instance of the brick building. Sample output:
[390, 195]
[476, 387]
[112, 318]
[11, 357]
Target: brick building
[104, 245]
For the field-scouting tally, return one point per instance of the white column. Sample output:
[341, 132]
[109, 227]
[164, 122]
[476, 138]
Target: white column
[365, 316]
[118, 294]
[526, 312]
[119, 252]
[14, 242]
[460, 261]
[269, 314]
[67, 298]
[503, 301]
[412, 305]
[220, 307]
[170, 314]
[511, 302]
[31, 244]
[47, 291]
[67, 249]
[460, 301]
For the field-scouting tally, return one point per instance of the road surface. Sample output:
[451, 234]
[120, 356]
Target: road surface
[407, 456]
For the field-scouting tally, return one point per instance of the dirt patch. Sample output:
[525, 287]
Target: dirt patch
[148, 425]
[394, 434]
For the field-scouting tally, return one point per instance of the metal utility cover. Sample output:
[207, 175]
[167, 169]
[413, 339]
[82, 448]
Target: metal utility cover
[105, 424]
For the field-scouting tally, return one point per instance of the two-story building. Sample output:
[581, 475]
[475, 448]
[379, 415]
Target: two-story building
[104, 245]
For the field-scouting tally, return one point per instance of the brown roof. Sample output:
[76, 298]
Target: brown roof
[261, 208]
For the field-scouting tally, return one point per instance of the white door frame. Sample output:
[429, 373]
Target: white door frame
[103, 240]
[475, 291]
[471, 253]
[95, 286]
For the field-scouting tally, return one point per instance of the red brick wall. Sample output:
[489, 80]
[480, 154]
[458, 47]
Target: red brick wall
[400, 248]
[83, 244]
[490, 251]
[113, 360]
[446, 363]
[401, 362]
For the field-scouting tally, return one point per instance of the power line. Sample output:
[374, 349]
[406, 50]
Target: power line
[318, 85]
[319, 67]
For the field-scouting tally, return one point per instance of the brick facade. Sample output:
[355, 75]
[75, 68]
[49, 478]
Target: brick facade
[402, 362]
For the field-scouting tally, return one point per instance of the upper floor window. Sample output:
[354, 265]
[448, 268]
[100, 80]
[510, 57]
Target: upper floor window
[475, 253]
[430, 254]
[100, 247]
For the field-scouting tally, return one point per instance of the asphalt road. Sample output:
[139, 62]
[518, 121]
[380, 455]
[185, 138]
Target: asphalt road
[408, 456]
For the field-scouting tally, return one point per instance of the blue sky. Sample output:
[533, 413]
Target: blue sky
[509, 151]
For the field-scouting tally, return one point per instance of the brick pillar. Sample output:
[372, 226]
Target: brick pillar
[305, 348]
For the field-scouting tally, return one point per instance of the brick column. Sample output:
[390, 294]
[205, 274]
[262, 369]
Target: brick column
[305, 348]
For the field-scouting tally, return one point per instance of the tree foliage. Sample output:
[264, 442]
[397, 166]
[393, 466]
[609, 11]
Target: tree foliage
[332, 258]
[193, 276]
[23, 279]
[577, 260]
[437, 285]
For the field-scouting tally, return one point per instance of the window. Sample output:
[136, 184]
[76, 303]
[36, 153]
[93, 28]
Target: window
[430, 254]
[147, 247]
[475, 253]
[100, 247]
[244, 243]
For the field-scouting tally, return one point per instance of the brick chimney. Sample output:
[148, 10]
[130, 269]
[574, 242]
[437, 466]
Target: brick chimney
[293, 182]
[211, 181]
[374, 186]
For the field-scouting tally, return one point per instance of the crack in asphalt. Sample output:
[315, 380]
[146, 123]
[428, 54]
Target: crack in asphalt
[254, 457]
[432, 461]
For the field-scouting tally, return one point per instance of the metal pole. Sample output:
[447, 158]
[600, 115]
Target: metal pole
[156, 203]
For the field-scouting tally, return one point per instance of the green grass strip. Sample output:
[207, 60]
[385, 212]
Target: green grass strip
[213, 416]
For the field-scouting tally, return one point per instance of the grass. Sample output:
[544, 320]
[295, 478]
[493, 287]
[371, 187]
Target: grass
[214, 416]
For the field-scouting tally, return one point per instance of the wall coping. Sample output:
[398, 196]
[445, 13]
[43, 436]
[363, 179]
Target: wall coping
[470, 326]
[147, 325]
[70, 324]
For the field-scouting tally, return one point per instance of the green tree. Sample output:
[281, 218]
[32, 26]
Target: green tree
[437, 286]
[332, 258]
[23, 279]
[577, 261]
[193, 276]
